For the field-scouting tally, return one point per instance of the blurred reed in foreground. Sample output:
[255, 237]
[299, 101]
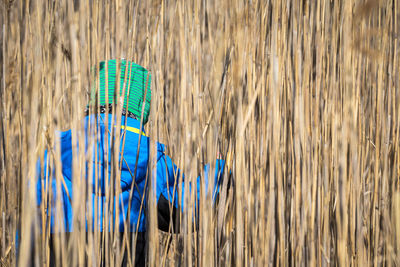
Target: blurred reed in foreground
[302, 97]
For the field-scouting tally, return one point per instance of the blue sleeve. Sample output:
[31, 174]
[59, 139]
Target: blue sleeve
[46, 179]
[219, 171]
[168, 175]
[167, 171]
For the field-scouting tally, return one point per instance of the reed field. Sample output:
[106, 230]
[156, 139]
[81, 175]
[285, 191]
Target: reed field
[301, 98]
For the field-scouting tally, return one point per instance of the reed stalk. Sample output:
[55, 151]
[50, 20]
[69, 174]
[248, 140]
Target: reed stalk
[300, 97]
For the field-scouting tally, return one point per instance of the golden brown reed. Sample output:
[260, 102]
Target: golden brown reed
[302, 97]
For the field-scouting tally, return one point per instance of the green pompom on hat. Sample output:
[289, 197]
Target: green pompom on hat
[138, 81]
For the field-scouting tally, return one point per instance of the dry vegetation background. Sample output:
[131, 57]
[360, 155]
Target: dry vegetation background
[302, 97]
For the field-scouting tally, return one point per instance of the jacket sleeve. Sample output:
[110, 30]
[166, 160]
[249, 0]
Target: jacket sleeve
[168, 175]
[46, 179]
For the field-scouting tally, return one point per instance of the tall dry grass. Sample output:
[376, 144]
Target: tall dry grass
[302, 97]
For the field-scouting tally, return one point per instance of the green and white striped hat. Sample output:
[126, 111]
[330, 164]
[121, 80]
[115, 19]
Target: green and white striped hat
[137, 82]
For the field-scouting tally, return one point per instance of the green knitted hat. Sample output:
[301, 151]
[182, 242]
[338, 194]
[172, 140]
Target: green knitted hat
[138, 80]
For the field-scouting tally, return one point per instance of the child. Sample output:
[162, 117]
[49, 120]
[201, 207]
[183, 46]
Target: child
[133, 158]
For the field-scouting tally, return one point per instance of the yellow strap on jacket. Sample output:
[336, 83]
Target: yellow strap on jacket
[132, 129]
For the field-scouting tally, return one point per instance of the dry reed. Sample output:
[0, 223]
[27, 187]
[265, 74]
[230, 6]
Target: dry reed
[302, 97]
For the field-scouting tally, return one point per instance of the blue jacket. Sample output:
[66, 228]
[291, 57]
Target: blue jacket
[166, 171]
